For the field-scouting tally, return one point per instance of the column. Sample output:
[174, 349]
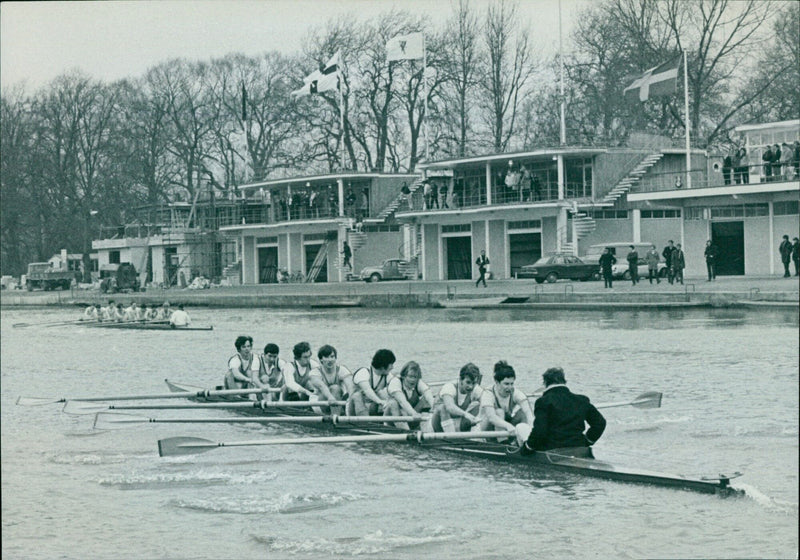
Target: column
[637, 225]
[488, 183]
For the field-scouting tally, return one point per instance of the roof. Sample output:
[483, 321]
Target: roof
[324, 177]
[543, 152]
[769, 126]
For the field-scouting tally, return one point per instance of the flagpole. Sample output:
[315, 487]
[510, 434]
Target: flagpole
[425, 99]
[561, 60]
[687, 124]
[245, 130]
[341, 114]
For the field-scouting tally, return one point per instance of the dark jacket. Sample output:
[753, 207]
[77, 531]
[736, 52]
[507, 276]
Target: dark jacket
[605, 262]
[667, 253]
[785, 250]
[560, 418]
[678, 259]
[710, 252]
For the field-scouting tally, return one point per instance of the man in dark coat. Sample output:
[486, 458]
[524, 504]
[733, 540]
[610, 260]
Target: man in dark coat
[796, 256]
[785, 250]
[607, 259]
[766, 157]
[667, 253]
[710, 253]
[560, 419]
[633, 265]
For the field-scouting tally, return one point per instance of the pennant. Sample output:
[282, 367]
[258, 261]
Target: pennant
[405, 47]
[324, 79]
[658, 81]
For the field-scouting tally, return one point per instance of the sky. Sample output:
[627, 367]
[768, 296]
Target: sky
[122, 39]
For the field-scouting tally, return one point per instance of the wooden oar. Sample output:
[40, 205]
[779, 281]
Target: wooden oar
[50, 323]
[78, 407]
[191, 445]
[114, 420]
[36, 401]
[651, 399]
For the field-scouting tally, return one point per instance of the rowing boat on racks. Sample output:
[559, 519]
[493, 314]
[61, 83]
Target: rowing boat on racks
[461, 443]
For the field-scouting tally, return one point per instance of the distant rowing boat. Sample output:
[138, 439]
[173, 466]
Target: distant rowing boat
[502, 452]
[145, 326]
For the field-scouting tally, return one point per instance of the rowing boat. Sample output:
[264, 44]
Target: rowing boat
[549, 460]
[146, 326]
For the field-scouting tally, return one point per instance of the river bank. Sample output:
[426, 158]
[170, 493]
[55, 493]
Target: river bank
[695, 292]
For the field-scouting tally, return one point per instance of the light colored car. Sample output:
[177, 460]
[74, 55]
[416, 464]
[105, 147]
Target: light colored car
[620, 250]
[390, 269]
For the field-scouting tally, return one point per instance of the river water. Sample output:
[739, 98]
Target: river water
[730, 384]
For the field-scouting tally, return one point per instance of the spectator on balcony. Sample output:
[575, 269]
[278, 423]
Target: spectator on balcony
[333, 201]
[796, 158]
[525, 184]
[728, 165]
[364, 207]
[428, 200]
[313, 204]
[443, 195]
[405, 192]
[536, 187]
[766, 157]
[350, 203]
[742, 169]
[786, 161]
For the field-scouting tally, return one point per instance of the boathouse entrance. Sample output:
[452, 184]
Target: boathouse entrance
[729, 239]
[458, 256]
[267, 265]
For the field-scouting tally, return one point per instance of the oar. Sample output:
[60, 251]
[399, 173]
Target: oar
[114, 420]
[36, 401]
[78, 407]
[190, 445]
[651, 399]
[49, 323]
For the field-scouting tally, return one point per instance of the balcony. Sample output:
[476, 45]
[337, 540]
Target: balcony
[747, 175]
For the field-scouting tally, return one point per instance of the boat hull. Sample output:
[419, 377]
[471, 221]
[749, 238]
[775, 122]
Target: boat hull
[146, 327]
[548, 460]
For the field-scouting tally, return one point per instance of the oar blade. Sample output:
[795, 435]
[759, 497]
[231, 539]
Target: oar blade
[116, 420]
[173, 446]
[82, 407]
[37, 401]
[651, 399]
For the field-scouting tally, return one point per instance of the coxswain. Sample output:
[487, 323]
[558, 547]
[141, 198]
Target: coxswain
[89, 314]
[331, 381]
[458, 405]
[270, 373]
[503, 407]
[179, 318]
[370, 395]
[408, 395]
[297, 373]
[241, 365]
[560, 420]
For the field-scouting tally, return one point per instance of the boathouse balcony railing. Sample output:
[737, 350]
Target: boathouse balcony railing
[750, 174]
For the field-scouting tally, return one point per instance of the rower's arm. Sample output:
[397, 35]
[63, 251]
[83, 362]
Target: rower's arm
[370, 394]
[496, 420]
[237, 374]
[320, 387]
[401, 399]
[349, 385]
[527, 411]
[293, 386]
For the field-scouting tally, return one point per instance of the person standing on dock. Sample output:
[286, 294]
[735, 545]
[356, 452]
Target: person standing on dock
[796, 256]
[560, 419]
[606, 261]
[711, 260]
[458, 406]
[668, 250]
[241, 366]
[270, 373]
[785, 249]
[633, 265]
[297, 374]
[653, 258]
[409, 395]
[371, 395]
[347, 253]
[331, 381]
[678, 263]
[503, 407]
[483, 265]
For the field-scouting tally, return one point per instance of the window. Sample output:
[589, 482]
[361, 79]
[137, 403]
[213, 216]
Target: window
[525, 224]
[113, 257]
[696, 213]
[756, 210]
[608, 214]
[264, 240]
[661, 214]
[785, 208]
[313, 236]
[380, 229]
[457, 228]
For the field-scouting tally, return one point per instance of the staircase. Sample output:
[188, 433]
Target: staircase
[632, 178]
[356, 239]
[398, 201]
[411, 269]
[318, 263]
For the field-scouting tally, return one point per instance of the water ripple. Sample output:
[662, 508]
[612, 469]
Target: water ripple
[286, 504]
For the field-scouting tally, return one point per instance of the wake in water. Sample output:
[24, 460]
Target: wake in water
[768, 503]
[285, 504]
[160, 480]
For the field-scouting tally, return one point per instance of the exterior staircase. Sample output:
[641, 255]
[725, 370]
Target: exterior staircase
[412, 255]
[581, 225]
[356, 239]
[633, 177]
[392, 207]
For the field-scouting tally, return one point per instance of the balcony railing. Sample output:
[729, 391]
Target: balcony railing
[750, 174]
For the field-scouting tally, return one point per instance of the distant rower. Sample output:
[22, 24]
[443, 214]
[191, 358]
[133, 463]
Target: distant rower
[561, 418]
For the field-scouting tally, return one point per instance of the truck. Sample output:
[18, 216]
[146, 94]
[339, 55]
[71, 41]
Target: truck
[118, 278]
[43, 275]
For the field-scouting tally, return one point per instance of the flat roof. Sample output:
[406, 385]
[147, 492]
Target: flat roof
[767, 126]
[566, 150]
[323, 177]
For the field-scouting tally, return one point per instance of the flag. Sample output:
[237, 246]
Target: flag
[324, 79]
[659, 80]
[405, 47]
[244, 103]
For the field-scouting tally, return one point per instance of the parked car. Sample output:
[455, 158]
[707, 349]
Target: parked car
[390, 269]
[620, 250]
[557, 266]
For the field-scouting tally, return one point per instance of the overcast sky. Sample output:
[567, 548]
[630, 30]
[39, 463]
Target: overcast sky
[122, 39]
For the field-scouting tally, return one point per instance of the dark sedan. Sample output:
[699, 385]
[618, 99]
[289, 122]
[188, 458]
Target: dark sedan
[561, 265]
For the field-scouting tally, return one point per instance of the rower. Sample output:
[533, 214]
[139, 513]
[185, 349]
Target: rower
[331, 381]
[89, 314]
[297, 372]
[408, 395]
[504, 407]
[131, 313]
[179, 318]
[371, 395]
[118, 313]
[270, 373]
[561, 417]
[241, 365]
[458, 405]
[165, 312]
[149, 313]
[108, 311]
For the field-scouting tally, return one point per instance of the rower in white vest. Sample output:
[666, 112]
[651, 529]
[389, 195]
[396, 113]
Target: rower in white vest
[241, 364]
[90, 313]
[409, 395]
[503, 407]
[331, 381]
[270, 373]
[458, 405]
[371, 395]
[297, 373]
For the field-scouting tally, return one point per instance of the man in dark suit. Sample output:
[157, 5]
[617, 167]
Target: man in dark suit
[560, 419]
